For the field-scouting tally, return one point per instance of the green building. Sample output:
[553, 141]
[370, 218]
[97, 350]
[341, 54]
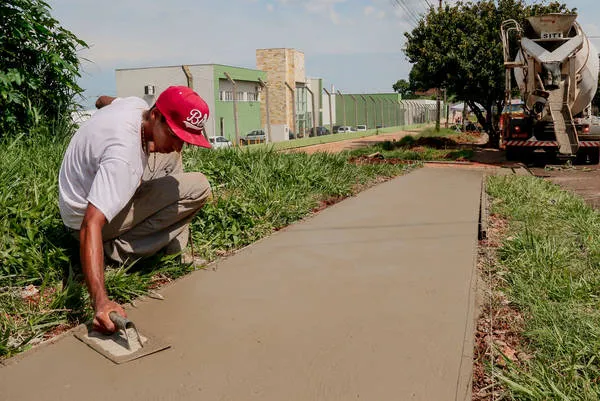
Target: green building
[214, 82]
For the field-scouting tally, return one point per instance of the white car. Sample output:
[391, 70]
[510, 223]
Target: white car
[361, 128]
[218, 142]
[343, 129]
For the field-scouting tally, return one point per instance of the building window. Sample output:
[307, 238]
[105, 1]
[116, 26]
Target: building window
[226, 96]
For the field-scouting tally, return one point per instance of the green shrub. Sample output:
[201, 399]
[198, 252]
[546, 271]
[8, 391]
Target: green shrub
[38, 66]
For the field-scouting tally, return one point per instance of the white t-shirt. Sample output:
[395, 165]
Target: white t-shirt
[104, 162]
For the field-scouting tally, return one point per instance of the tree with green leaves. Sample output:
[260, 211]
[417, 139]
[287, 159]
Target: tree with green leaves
[458, 47]
[402, 87]
[39, 66]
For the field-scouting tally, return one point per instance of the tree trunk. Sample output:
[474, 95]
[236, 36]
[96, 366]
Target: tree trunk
[487, 123]
[438, 111]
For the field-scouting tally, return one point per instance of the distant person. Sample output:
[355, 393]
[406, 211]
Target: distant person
[122, 189]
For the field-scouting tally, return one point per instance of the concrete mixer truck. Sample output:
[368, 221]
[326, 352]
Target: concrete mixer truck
[556, 69]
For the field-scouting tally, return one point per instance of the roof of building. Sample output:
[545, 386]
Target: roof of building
[188, 65]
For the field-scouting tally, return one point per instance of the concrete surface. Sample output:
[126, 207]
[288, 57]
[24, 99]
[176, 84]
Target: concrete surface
[371, 299]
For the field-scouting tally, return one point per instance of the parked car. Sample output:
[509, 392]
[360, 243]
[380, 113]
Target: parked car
[344, 128]
[254, 136]
[219, 142]
[361, 128]
[320, 131]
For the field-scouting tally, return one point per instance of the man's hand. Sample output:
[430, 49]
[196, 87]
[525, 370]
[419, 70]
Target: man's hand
[102, 322]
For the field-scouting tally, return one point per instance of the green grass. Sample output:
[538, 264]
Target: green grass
[256, 191]
[298, 143]
[428, 145]
[551, 260]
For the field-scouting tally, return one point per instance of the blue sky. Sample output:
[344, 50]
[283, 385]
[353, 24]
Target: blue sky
[355, 45]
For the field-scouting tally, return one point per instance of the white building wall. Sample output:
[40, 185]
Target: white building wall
[325, 102]
[131, 82]
[313, 85]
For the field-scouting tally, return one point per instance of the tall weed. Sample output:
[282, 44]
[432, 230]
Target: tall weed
[553, 278]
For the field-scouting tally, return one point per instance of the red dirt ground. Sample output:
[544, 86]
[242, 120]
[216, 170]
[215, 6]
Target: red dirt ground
[350, 144]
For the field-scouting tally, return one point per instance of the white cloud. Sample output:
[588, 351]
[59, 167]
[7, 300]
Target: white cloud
[328, 6]
[593, 32]
[319, 7]
[144, 33]
[591, 29]
[372, 11]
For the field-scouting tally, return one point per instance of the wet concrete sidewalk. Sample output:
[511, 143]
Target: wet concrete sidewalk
[371, 299]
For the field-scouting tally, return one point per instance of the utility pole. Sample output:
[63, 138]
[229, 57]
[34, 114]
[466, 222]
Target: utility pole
[343, 105]
[374, 110]
[312, 96]
[355, 110]
[366, 111]
[446, 111]
[438, 109]
[293, 109]
[330, 112]
[263, 85]
[190, 84]
[235, 113]
[438, 112]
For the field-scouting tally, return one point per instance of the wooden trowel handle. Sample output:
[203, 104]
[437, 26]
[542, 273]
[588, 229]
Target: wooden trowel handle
[121, 322]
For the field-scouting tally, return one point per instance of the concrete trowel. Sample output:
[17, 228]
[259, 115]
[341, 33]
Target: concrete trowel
[125, 345]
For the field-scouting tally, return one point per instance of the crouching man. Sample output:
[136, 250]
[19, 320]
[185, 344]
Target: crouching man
[122, 189]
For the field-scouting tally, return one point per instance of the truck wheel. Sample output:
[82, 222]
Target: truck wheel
[589, 155]
[513, 153]
[594, 155]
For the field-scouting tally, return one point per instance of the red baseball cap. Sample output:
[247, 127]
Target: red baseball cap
[185, 112]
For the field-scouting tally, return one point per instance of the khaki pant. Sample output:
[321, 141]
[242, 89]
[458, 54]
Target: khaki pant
[159, 213]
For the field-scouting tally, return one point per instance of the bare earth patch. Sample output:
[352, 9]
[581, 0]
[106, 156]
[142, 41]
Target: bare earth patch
[350, 144]
[499, 326]
[583, 180]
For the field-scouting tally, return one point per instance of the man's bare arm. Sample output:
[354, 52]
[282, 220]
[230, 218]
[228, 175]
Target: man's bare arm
[104, 101]
[92, 263]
